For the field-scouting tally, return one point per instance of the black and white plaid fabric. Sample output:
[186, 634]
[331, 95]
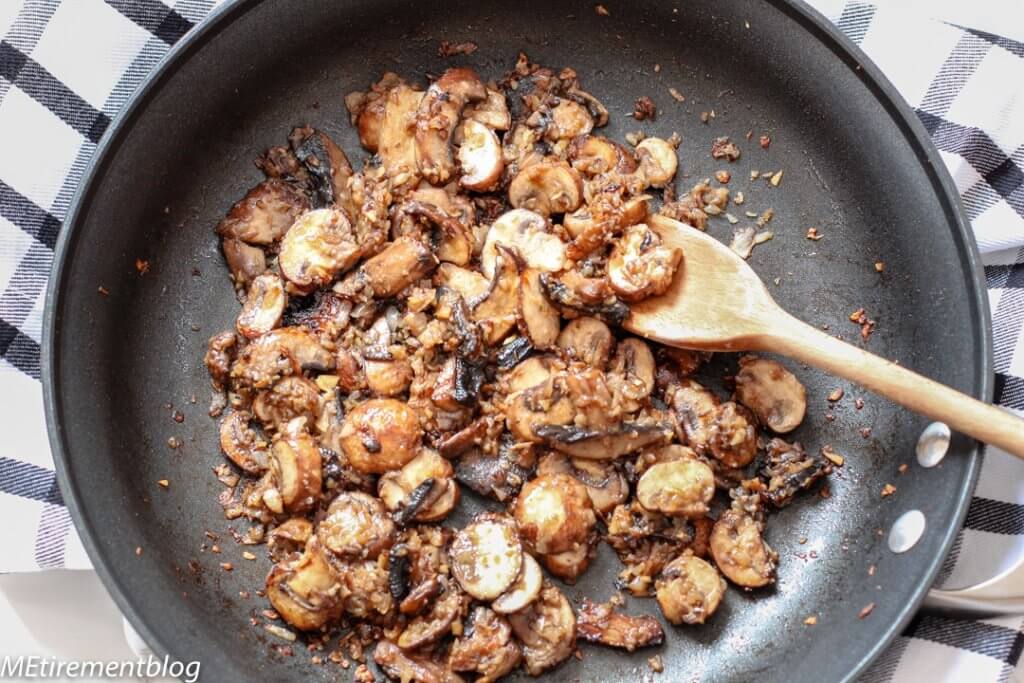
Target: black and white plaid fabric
[68, 66]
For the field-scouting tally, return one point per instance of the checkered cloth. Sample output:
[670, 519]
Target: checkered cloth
[67, 67]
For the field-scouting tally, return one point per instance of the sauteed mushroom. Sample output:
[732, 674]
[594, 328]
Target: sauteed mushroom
[776, 397]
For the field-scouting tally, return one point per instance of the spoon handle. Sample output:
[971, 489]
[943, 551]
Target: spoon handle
[985, 422]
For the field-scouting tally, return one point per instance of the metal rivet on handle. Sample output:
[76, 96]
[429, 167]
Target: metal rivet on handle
[933, 444]
[907, 531]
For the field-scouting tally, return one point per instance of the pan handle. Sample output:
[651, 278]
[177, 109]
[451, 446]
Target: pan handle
[1000, 595]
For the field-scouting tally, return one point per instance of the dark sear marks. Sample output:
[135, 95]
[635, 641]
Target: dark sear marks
[448, 315]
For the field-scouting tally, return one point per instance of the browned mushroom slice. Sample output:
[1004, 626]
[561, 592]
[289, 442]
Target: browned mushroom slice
[624, 438]
[387, 377]
[547, 630]
[304, 591]
[524, 591]
[599, 223]
[280, 162]
[594, 155]
[242, 444]
[689, 590]
[539, 321]
[326, 164]
[469, 284]
[602, 623]
[732, 436]
[546, 404]
[396, 138]
[357, 527]
[593, 105]
[587, 340]
[245, 261]
[606, 486]
[772, 392]
[400, 264]
[367, 109]
[529, 234]
[632, 371]
[582, 295]
[658, 161]
[530, 373]
[487, 648]
[568, 120]
[789, 469]
[318, 246]
[451, 235]
[521, 147]
[458, 384]
[404, 667]
[571, 564]
[289, 537]
[281, 352]
[680, 488]
[220, 351]
[554, 513]
[381, 435]
[265, 213]
[497, 313]
[295, 467]
[289, 398]
[396, 488]
[428, 628]
[480, 157]
[492, 111]
[696, 409]
[640, 266]
[547, 187]
[364, 587]
[740, 552]
[487, 556]
[436, 118]
[263, 307]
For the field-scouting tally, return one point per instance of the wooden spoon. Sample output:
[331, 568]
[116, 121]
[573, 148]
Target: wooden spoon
[718, 303]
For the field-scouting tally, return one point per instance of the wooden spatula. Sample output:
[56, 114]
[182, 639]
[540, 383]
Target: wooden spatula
[718, 303]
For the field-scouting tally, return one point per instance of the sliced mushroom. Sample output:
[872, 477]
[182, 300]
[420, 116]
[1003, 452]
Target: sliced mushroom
[492, 111]
[602, 623]
[295, 467]
[696, 409]
[606, 485]
[265, 214]
[497, 475]
[480, 157]
[281, 352]
[539, 321]
[658, 161]
[402, 666]
[318, 246]
[554, 513]
[772, 392]
[547, 630]
[521, 147]
[680, 488]
[608, 444]
[400, 264]
[436, 118]
[530, 373]
[396, 488]
[487, 556]
[789, 469]
[387, 378]
[587, 340]
[220, 350]
[428, 628]
[569, 565]
[740, 551]
[632, 370]
[568, 120]
[640, 266]
[289, 398]
[524, 591]
[242, 444]
[545, 405]
[583, 295]
[458, 384]
[326, 164]
[487, 648]
[364, 588]
[594, 155]
[732, 436]
[357, 527]
[497, 313]
[289, 537]
[547, 187]
[396, 139]
[245, 261]
[450, 235]
[305, 591]
[380, 435]
[689, 590]
[263, 307]
[469, 284]
[528, 233]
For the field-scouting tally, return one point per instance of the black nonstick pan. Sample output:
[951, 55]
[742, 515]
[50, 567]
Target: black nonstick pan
[857, 165]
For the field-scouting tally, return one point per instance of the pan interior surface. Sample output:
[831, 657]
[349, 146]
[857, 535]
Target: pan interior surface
[852, 169]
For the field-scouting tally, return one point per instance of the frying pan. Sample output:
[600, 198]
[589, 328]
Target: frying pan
[858, 166]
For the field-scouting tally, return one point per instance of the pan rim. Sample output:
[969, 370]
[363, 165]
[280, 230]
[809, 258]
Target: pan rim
[810, 19]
